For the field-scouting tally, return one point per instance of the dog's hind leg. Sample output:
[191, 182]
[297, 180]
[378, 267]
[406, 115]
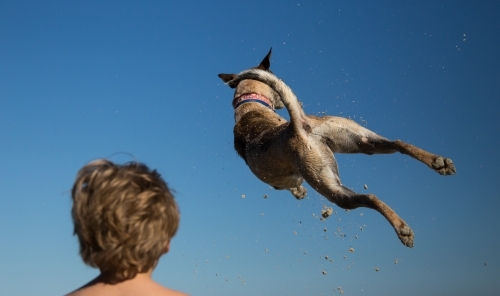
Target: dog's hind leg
[298, 192]
[328, 185]
[346, 136]
[440, 164]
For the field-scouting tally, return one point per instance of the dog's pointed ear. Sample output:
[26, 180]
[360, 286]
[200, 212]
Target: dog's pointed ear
[227, 77]
[266, 62]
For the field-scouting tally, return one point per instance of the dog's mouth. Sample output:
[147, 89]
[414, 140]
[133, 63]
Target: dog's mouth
[252, 97]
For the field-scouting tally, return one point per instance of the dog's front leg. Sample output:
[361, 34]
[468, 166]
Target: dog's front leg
[328, 184]
[348, 199]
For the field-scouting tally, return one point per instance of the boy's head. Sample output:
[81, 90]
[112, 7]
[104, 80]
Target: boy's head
[124, 217]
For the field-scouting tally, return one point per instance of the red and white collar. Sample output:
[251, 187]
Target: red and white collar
[252, 97]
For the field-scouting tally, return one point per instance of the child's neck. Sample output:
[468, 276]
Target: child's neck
[105, 277]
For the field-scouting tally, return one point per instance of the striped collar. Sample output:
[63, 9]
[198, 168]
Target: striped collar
[252, 97]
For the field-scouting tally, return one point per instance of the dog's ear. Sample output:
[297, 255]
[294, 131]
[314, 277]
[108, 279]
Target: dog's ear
[227, 77]
[266, 62]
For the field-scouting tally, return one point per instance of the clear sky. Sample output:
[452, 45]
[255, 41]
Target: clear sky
[134, 80]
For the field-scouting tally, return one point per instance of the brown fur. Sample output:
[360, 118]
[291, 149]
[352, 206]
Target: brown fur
[284, 154]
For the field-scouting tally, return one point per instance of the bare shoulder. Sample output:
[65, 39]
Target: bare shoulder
[159, 292]
[88, 290]
[170, 292]
[81, 292]
[132, 287]
[164, 291]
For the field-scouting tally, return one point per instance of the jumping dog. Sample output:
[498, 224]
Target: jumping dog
[283, 154]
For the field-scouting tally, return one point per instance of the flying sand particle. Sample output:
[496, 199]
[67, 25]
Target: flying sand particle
[326, 212]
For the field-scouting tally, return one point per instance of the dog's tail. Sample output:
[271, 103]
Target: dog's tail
[297, 116]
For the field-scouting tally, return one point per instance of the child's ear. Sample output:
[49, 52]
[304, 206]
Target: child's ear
[167, 248]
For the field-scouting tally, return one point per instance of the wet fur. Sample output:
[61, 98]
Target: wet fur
[284, 154]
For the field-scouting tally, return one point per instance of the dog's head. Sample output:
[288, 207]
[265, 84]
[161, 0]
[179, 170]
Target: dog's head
[250, 86]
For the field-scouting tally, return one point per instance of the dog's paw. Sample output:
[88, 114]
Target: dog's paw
[405, 234]
[444, 166]
[299, 192]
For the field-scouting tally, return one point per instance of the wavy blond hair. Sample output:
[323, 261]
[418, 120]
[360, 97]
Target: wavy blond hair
[124, 217]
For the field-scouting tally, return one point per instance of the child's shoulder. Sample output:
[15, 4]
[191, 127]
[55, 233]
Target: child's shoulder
[169, 292]
[153, 289]
[164, 291]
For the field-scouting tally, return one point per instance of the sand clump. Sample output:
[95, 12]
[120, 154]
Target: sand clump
[326, 212]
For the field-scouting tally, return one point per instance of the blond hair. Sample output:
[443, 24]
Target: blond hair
[124, 217]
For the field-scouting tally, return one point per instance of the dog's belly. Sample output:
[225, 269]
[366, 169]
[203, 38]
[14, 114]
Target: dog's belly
[274, 170]
[262, 140]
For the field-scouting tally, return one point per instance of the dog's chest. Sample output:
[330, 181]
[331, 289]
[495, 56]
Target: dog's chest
[255, 131]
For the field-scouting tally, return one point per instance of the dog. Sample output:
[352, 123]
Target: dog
[285, 153]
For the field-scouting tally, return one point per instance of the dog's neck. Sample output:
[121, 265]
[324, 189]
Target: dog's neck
[252, 98]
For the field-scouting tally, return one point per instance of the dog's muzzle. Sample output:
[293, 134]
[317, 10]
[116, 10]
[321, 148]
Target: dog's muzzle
[253, 97]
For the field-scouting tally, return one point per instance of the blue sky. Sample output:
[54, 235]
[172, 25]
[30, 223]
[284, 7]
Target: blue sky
[138, 81]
